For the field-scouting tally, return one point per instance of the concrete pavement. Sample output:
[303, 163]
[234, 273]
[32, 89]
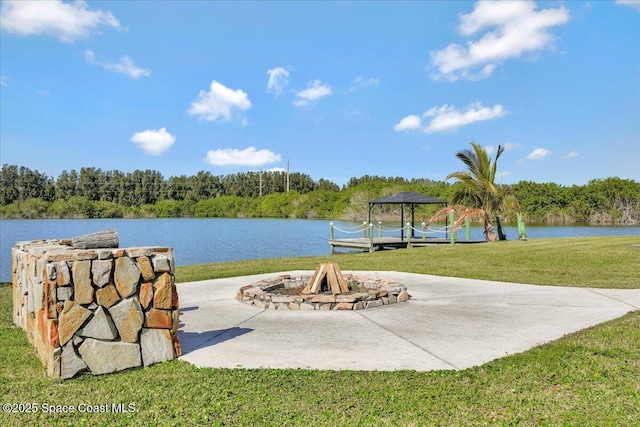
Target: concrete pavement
[449, 323]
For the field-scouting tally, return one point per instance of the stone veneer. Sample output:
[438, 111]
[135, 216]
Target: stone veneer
[95, 310]
[264, 294]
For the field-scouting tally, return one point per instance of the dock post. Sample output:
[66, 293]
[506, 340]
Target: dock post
[424, 231]
[409, 234]
[333, 248]
[370, 237]
[452, 220]
[379, 228]
[364, 229]
[467, 228]
[522, 234]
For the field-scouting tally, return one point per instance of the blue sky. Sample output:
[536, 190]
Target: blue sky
[338, 89]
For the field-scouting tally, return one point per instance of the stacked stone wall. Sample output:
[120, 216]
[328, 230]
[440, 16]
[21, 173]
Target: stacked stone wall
[375, 292]
[95, 310]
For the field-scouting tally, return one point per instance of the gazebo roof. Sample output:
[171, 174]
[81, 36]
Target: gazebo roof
[409, 198]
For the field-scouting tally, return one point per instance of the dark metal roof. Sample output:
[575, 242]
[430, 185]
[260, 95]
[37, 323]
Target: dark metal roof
[408, 197]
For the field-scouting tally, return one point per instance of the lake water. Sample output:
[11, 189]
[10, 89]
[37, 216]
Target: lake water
[206, 240]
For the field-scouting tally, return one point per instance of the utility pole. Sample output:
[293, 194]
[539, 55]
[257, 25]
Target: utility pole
[287, 176]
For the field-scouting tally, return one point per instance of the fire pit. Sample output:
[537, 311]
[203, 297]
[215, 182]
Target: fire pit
[327, 289]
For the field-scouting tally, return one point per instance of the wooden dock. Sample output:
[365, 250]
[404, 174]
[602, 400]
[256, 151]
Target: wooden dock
[382, 243]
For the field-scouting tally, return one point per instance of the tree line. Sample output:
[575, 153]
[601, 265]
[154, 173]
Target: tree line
[94, 193]
[146, 187]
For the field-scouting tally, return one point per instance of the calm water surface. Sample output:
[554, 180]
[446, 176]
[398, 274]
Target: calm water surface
[197, 241]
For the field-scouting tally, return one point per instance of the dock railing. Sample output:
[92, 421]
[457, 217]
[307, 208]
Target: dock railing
[368, 237]
[427, 232]
[365, 230]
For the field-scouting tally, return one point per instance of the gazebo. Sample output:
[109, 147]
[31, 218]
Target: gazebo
[408, 198]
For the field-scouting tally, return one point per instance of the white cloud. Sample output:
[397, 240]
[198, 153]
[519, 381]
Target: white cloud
[154, 142]
[276, 170]
[538, 153]
[571, 155]
[447, 118]
[634, 4]
[512, 29]
[314, 91]
[125, 66]
[278, 79]
[4, 81]
[364, 83]
[66, 21]
[220, 102]
[410, 122]
[246, 157]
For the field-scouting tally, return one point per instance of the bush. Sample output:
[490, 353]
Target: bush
[220, 207]
[28, 209]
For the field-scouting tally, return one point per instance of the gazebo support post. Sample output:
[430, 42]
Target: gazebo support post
[413, 217]
[446, 227]
[402, 222]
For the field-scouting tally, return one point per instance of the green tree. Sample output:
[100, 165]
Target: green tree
[67, 185]
[204, 186]
[110, 185]
[546, 202]
[90, 182]
[327, 185]
[8, 184]
[177, 188]
[478, 189]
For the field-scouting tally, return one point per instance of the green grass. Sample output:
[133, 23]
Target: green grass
[597, 262]
[588, 378]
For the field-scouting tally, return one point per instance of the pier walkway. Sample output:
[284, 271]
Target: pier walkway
[382, 243]
[372, 239]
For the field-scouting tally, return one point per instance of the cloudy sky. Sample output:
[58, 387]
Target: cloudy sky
[338, 89]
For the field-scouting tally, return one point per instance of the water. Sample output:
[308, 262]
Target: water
[197, 241]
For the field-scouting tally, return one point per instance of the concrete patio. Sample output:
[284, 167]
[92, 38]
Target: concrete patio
[449, 323]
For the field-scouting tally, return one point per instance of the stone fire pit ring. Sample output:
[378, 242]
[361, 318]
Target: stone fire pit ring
[284, 293]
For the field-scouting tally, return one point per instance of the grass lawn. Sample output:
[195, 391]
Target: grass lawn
[589, 378]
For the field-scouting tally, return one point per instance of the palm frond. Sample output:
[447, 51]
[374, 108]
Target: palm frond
[444, 211]
[466, 214]
[501, 149]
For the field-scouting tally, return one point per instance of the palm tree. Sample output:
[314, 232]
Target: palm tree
[478, 189]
